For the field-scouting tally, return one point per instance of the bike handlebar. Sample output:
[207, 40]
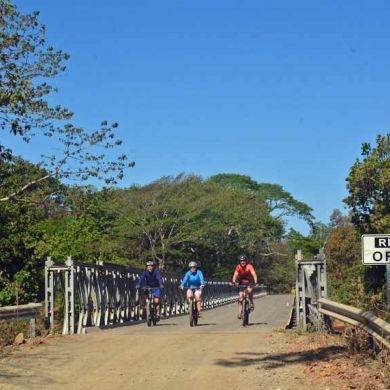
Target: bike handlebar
[246, 285]
[149, 288]
[192, 288]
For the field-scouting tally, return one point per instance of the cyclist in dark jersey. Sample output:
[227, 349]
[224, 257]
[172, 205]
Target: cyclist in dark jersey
[244, 274]
[151, 278]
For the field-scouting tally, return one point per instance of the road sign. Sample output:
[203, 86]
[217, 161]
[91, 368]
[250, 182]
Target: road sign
[376, 249]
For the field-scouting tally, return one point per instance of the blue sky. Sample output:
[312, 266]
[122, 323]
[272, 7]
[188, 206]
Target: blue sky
[285, 92]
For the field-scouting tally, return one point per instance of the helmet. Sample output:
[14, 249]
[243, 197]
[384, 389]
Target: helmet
[242, 258]
[192, 264]
[149, 262]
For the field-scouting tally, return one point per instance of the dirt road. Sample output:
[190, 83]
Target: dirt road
[218, 354]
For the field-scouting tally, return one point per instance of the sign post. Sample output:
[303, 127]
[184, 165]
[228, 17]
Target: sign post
[376, 251]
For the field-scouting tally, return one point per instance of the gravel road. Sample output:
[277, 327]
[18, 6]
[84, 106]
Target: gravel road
[218, 354]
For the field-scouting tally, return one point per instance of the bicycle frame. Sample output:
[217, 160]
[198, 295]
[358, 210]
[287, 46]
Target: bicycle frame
[151, 315]
[192, 308]
[245, 303]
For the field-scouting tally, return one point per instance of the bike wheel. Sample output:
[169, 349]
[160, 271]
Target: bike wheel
[196, 318]
[154, 315]
[148, 316]
[191, 313]
[245, 313]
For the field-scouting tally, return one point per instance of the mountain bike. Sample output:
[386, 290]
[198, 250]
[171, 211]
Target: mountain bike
[151, 312]
[246, 308]
[192, 308]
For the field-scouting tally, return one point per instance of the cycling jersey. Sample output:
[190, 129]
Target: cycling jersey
[150, 279]
[193, 279]
[245, 273]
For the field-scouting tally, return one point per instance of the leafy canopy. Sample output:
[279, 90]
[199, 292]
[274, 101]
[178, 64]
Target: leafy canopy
[27, 67]
[368, 185]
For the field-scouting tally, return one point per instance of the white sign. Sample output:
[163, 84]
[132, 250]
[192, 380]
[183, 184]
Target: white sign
[376, 249]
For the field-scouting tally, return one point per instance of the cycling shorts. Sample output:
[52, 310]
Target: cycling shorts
[156, 292]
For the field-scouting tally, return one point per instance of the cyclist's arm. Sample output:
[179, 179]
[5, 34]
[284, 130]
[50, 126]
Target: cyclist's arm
[235, 276]
[141, 280]
[159, 279]
[201, 278]
[254, 274]
[184, 281]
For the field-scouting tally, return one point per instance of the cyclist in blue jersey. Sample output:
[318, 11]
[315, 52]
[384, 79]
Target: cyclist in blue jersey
[194, 279]
[151, 278]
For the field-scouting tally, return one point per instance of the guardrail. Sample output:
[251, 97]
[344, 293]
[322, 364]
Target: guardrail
[365, 320]
[22, 312]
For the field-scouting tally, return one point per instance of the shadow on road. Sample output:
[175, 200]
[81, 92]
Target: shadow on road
[166, 325]
[257, 323]
[206, 324]
[270, 361]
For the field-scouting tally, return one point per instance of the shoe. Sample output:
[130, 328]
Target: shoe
[239, 316]
[252, 307]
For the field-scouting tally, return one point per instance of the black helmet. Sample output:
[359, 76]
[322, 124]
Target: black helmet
[242, 258]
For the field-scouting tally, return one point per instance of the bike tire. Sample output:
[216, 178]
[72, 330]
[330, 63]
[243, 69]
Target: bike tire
[148, 317]
[191, 313]
[195, 315]
[245, 313]
[154, 316]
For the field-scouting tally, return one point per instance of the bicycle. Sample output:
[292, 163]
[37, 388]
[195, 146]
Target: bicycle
[246, 309]
[192, 308]
[151, 310]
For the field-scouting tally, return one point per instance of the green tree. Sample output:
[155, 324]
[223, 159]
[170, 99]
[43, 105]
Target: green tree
[19, 233]
[27, 66]
[368, 185]
[280, 202]
[344, 269]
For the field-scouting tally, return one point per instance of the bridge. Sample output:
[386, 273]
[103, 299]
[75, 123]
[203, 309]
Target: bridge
[119, 351]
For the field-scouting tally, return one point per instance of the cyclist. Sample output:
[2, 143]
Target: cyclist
[193, 279]
[151, 278]
[244, 274]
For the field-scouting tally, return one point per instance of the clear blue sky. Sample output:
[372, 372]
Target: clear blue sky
[285, 92]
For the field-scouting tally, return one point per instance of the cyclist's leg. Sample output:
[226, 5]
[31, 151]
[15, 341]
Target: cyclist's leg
[198, 299]
[157, 301]
[189, 294]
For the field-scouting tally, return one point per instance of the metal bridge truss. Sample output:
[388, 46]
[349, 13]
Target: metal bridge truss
[310, 287]
[104, 295]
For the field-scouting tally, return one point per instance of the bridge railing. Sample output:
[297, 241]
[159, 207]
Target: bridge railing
[310, 287]
[103, 295]
[28, 311]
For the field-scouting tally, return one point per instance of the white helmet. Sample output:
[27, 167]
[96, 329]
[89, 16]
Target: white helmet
[192, 264]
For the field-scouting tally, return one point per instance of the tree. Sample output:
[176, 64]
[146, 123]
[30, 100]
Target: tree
[280, 202]
[368, 185]
[178, 219]
[27, 65]
[344, 269]
[19, 230]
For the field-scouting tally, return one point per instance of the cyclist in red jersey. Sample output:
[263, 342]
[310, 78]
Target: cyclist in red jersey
[244, 274]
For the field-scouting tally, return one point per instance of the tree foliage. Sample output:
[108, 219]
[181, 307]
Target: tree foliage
[27, 67]
[368, 184]
[280, 202]
[344, 268]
